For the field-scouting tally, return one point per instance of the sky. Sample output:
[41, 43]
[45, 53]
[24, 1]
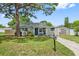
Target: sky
[63, 10]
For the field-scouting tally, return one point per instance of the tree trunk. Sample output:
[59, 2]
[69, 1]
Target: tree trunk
[17, 33]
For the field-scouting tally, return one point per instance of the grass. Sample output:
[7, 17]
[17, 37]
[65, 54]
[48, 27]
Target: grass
[71, 37]
[32, 47]
[1, 33]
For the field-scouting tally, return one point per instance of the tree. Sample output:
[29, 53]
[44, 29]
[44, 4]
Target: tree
[76, 23]
[23, 20]
[76, 26]
[13, 10]
[1, 26]
[66, 22]
[76, 29]
[71, 25]
[12, 23]
[47, 23]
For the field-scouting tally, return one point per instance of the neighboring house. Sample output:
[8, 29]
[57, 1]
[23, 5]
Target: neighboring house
[72, 32]
[7, 31]
[3, 29]
[61, 30]
[43, 29]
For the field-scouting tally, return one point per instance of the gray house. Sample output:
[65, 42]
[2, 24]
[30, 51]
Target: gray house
[37, 29]
[43, 29]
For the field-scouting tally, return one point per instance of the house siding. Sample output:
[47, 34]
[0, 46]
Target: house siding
[31, 27]
[59, 29]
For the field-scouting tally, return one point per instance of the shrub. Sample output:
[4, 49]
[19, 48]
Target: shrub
[37, 38]
[42, 38]
[0, 41]
[30, 37]
[20, 40]
[29, 33]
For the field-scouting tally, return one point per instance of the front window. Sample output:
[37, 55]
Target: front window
[24, 29]
[52, 29]
[42, 31]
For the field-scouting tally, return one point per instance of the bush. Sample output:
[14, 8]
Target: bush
[41, 38]
[29, 33]
[35, 38]
[76, 33]
[38, 38]
[0, 41]
[20, 40]
[24, 39]
[30, 37]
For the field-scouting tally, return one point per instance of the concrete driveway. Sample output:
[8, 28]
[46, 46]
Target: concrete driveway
[70, 44]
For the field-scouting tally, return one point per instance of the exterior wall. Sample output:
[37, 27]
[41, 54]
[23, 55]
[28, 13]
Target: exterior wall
[2, 30]
[7, 31]
[58, 30]
[72, 32]
[10, 32]
[31, 27]
[48, 30]
[67, 31]
[33, 31]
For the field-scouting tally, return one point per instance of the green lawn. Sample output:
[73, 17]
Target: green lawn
[71, 37]
[1, 33]
[31, 47]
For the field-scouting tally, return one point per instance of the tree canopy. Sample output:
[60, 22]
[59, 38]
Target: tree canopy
[76, 26]
[26, 9]
[76, 23]
[23, 20]
[47, 23]
[1, 26]
[66, 22]
[14, 10]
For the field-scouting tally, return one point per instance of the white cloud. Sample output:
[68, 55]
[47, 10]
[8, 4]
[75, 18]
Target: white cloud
[65, 5]
[71, 5]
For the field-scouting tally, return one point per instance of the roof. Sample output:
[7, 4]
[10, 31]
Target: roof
[40, 25]
[59, 26]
